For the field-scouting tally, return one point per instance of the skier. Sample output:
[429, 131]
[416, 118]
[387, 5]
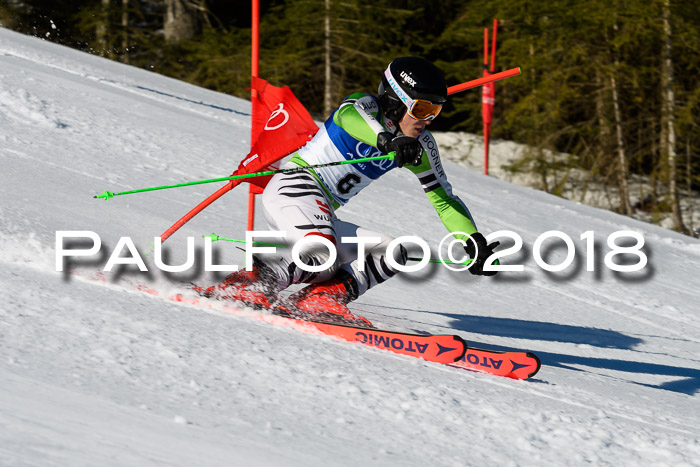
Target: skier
[411, 94]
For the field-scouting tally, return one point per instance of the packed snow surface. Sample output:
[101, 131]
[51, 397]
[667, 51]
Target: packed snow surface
[95, 373]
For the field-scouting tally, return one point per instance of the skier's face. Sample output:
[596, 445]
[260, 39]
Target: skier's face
[412, 127]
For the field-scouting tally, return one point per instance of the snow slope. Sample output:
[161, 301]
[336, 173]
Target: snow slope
[92, 374]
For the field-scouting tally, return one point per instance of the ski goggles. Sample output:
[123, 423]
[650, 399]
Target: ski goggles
[420, 109]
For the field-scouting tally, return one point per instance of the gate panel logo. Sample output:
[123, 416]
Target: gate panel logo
[279, 111]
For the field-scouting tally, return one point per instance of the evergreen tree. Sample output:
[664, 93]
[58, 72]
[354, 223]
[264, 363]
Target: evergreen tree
[596, 82]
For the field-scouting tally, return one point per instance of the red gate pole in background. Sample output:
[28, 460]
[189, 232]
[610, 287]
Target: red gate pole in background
[255, 43]
[488, 93]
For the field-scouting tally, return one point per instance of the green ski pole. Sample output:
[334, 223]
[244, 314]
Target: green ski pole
[108, 194]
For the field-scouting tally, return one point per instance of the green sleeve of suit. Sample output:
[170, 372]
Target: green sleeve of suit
[358, 116]
[453, 213]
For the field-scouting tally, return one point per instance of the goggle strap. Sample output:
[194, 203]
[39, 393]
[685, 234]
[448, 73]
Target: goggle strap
[403, 97]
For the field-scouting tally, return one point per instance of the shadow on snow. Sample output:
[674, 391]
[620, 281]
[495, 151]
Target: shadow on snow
[688, 381]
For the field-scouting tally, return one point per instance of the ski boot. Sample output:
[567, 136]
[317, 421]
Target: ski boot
[328, 300]
[255, 288]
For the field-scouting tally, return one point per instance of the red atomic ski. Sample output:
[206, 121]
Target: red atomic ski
[446, 349]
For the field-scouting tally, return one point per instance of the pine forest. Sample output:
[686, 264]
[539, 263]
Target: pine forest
[613, 85]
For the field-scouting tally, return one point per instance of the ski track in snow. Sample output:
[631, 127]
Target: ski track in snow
[95, 374]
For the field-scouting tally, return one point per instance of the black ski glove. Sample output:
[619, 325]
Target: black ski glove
[408, 150]
[484, 251]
